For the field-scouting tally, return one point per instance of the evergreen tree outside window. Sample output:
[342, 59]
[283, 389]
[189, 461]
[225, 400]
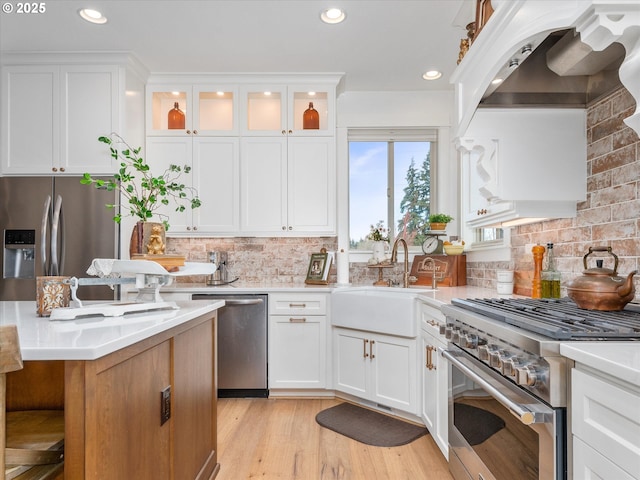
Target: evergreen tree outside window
[390, 180]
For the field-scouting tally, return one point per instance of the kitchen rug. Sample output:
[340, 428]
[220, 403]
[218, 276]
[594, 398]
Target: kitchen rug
[367, 426]
[476, 424]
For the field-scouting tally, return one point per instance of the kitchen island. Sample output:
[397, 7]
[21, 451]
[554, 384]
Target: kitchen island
[138, 392]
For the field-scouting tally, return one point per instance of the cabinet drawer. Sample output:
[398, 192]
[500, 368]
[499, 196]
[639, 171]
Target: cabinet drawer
[587, 463]
[606, 417]
[298, 304]
[431, 318]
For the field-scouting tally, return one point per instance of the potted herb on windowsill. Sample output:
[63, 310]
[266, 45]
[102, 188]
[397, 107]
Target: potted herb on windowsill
[438, 221]
[142, 192]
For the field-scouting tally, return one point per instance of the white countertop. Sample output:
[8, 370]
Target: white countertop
[438, 297]
[617, 359]
[90, 338]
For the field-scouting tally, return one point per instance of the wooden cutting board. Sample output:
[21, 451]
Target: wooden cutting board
[170, 262]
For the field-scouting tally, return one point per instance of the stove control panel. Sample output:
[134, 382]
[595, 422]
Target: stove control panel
[521, 367]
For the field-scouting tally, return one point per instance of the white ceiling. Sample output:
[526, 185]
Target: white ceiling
[382, 45]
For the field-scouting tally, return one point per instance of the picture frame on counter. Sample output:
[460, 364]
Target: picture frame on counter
[319, 266]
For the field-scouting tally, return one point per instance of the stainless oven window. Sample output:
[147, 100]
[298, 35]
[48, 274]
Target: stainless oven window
[496, 441]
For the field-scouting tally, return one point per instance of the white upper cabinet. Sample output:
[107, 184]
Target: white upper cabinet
[270, 173]
[522, 165]
[54, 113]
[208, 110]
[214, 175]
[280, 110]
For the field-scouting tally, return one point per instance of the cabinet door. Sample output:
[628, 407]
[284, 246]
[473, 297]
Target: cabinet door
[263, 173]
[90, 103]
[429, 383]
[30, 119]
[394, 372]
[297, 356]
[264, 110]
[120, 444]
[303, 97]
[216, 177]
[194, 402]
[351, 356]
[588, 463]
[311, 185]
[215, 110]
[161, 153]
[161, 99]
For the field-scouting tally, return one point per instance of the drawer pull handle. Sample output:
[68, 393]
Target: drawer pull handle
[297, 320]
[297, 305]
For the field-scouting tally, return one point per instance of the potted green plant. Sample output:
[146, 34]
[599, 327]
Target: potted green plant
[142, 192]
[438, 221]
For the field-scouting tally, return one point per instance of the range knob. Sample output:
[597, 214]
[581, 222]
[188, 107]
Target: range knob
[448, 331]
[495, 360]
[527, 375]
[483, 352]
[455, 335]
[509, 365]
[470, 340]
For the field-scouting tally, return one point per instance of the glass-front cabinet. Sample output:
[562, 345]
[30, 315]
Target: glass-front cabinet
[301, 110]
[176, 110]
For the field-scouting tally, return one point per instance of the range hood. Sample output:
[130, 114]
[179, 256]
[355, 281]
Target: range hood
[561, 72]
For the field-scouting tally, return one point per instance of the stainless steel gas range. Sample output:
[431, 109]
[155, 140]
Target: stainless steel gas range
[509, 383]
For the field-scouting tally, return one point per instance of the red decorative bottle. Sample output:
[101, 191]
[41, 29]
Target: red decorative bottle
[176, 118]
[311, 118]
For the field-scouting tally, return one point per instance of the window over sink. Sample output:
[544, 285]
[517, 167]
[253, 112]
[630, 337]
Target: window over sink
[390, 172]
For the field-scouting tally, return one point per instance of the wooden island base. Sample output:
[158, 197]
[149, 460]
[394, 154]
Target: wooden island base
[145, 411]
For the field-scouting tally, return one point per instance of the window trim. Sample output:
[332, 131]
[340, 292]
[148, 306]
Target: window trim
[390, 135]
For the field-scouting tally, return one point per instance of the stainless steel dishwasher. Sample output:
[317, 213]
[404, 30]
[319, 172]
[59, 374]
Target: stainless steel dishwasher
[242, 345]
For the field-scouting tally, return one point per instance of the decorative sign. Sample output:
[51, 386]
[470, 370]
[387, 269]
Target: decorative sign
[451, 270]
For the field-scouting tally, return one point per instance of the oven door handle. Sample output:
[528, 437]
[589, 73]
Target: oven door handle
[521, 412]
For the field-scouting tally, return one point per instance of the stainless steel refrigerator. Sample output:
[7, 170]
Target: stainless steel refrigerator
[53, 226]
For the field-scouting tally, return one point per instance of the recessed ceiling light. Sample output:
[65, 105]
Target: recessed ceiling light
[92, 16]
[333, 15]
[432, 75]
[496, 81]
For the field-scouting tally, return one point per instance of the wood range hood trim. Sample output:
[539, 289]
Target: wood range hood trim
[515, 23]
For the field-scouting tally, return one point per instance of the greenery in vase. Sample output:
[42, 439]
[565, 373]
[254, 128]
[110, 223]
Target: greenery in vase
[440, 218]
[143, 191]
[378, 233]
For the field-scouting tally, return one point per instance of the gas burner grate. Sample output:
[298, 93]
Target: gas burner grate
[560, 319]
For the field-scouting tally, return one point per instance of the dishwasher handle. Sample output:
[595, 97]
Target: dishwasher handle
[230, 301]
[248, 301]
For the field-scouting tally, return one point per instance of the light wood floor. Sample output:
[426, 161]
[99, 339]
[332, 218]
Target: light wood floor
[280, 439]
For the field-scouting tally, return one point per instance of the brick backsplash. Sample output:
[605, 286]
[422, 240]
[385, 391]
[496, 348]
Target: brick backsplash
[256, 259]
[610, 216]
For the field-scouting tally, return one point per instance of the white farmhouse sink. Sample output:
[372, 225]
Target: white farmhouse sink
[376, 309]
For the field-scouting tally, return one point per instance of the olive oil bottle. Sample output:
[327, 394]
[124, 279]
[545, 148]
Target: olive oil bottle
[550, 276]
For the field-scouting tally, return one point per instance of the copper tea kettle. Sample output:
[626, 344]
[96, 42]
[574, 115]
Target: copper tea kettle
[601, 288]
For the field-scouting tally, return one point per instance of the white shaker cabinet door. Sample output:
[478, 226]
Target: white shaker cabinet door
[30, 119]
[263, 173]
[312, 185]
[161, 153]
[216, 177]
[90, 100]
